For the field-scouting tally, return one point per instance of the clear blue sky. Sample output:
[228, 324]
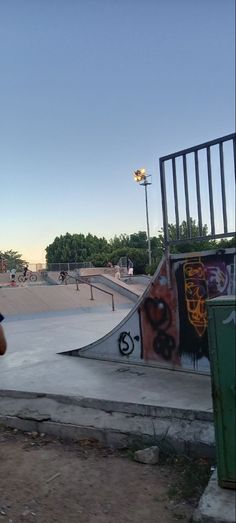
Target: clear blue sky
[91, 90]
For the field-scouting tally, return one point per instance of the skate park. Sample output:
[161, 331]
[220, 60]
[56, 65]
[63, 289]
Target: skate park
[76, 367]
[126, 361]
[118, 262]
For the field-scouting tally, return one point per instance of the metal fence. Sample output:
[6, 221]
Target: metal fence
[68, 266]
[212, 174]
[57, 267]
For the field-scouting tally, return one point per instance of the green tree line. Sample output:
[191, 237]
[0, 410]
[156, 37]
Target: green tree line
[99, 251]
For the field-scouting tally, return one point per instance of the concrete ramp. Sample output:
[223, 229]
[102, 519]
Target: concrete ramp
[26, 300]
[132, 292]
[168, 325]
[34, 299]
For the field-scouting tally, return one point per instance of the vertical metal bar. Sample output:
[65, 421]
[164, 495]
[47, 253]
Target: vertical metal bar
[176, 199]
[164, 202]
[186, 195]
[210, 191]
[91, 290]
[222, 175]
[199, 207]
[234, 147]
[112, 301]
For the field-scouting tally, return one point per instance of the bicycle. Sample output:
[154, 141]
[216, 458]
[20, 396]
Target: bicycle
[32, 277]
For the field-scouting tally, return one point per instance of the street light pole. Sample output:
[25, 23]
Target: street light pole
[147, 217]
[141, 176]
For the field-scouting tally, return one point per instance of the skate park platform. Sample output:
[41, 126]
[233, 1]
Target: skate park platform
[116, 403]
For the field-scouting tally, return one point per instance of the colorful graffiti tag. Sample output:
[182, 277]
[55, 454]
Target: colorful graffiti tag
[159, 316]
[202, 282]
[195, 288]
[159, 322]
[218, 279]
[174, 318]
[198, 280]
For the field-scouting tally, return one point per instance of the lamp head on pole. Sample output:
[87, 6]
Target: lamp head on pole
[140, 175]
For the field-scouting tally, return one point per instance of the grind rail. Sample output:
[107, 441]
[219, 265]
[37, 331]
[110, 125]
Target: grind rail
[81, 280]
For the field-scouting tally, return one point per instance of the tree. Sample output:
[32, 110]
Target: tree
[138, 240]
[100, 259]
[75, 248]
[157, 247]
[226, 243]
[13, 259]
[118, 242]
[80, 248]
[189, 245]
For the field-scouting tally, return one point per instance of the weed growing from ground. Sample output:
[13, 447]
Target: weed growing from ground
[192, 477]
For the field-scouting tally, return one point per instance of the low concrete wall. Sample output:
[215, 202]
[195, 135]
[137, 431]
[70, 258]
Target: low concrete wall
[117, 424]
[97, 270]
[52, 276]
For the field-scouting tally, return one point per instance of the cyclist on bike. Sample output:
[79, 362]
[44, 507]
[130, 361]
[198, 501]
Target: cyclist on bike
[63, 275]
[25, 269]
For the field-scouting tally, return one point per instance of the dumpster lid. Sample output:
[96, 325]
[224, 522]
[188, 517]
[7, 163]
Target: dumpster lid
[222, 300]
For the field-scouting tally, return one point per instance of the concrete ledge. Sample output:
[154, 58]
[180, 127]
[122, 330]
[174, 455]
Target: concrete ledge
[216, 505]
[118, 286]
[114, 406]
[115, 424]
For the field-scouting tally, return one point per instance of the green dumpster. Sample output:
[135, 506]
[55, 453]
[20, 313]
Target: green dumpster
[222, 349]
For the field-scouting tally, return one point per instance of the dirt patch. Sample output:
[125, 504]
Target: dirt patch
[44, 480]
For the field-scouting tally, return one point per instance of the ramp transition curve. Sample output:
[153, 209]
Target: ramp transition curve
[168, 325]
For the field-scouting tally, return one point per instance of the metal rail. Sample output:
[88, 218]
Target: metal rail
[187, 181]
[81, 280]
[204, 145]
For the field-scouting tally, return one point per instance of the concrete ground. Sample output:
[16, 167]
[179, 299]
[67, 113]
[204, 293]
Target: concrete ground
[217, 505]
[32, 363]
[113, 402]
[37, 338]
